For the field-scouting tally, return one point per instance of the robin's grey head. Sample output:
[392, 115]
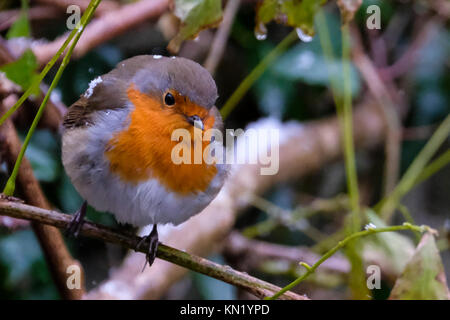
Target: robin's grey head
[156, 75]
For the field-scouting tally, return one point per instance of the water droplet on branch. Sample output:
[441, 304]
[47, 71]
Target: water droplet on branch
[261, 31]
[303, 36]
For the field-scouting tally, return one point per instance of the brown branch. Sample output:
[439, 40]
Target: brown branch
[304, 148]
[55, 251]
[221, 36]
[387, 108]
[105, 28]
[7, 17]
[257, 287]
[104, 7]
[419, 132]
[409, 58]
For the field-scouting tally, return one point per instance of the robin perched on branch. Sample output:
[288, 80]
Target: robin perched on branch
[117, 143]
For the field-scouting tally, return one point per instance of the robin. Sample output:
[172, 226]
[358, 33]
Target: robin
[117, 143]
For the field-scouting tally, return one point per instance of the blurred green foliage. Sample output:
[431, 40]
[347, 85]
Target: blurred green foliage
[22, 71]
[20, 27]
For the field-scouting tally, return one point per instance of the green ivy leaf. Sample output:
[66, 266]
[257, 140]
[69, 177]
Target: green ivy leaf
[20, 27]
[194, 15]
[23, 70]
[294, 13]
[423, 277]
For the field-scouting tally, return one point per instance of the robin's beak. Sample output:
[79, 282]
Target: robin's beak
[196, 121]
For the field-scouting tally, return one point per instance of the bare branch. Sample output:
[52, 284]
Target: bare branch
[105, 28]
[221, 37]
[7, 17]
[259, 288]
[387, 108]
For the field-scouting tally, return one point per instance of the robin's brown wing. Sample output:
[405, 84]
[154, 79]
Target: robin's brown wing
[109, 94]
[77, 115]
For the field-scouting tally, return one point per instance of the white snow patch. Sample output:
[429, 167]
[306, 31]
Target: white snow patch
[92, 85]
[370, 226]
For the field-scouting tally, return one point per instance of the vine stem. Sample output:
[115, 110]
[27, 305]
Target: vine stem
[416, 172]
[343, 109]
[255, 286]
[433, 167]
[349, 148]
[341, 244]
[343, 104]
[11, 183]
[256, 73]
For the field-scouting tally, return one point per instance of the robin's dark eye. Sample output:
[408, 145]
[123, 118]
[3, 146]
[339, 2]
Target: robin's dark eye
[169, 99]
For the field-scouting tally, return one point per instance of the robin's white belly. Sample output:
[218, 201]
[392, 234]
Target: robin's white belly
[137, 204]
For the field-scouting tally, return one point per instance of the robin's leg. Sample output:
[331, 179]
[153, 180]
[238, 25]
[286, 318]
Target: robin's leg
[153, 245]
[75, 225]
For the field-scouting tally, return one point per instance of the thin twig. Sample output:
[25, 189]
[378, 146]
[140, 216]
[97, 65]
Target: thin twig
[436, 165]
[221, 36]
[257, 287]
[7, 17]
[410, 57]
[387, 109]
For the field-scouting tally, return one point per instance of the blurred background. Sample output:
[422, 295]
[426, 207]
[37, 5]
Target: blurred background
[292, 218]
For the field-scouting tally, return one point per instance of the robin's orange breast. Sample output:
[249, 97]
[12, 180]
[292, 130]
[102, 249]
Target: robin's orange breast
[143, 151]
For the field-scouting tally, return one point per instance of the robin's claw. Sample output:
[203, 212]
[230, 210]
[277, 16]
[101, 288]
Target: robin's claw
[153, 246]
[74, 227]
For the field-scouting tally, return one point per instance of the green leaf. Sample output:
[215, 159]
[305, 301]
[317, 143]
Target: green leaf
[23, 70]
[423, 277]
[295, 13]
[20, 27]
[194, 15]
